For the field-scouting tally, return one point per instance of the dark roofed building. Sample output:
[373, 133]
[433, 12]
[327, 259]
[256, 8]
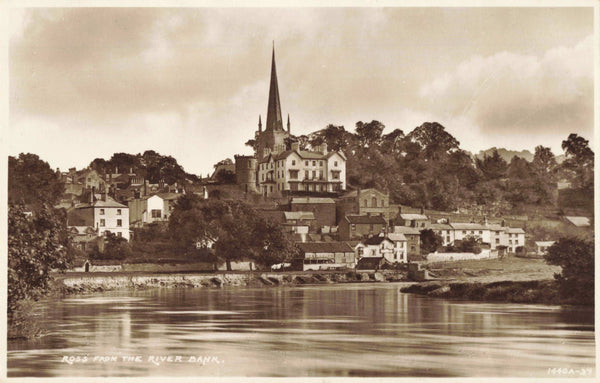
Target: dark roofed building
[326, 255]
[360, 226]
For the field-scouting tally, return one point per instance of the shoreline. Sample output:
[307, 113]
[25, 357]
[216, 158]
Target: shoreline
[78, 284]
[526, 292]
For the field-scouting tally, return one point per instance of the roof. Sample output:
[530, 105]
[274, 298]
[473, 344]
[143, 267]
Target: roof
[369, 263]
[496, 227]
[81, 230]
[366, 219]
[468, 226]
[352, 243]
[312, 200]
[440, 226]
[108, 203]
[579, 221]
[396, 237]
[544, 243]
[169, 196]
[376, 240]
[354, 193]
[299, 215]
[515, 230]
[325, 247]
[411, 217]
[407, 230]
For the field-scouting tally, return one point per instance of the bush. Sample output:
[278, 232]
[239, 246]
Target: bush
[22, 323]
[576, 258]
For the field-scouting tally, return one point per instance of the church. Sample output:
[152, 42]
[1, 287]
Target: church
[279, 169]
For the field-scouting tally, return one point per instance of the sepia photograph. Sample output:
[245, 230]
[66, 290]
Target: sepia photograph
[270, 190]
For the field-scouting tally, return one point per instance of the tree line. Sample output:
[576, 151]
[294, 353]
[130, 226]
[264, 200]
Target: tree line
[427, 168]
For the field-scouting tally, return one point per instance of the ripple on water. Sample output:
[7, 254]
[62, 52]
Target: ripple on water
[102, 300]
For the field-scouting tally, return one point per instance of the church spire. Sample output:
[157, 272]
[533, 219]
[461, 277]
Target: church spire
[288, 123]
[259, 124]
[274, 121]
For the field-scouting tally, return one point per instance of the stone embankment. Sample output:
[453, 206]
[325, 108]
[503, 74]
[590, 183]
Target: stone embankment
[93, 283]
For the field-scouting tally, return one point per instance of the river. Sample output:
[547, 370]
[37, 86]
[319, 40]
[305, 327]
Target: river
[327, 330]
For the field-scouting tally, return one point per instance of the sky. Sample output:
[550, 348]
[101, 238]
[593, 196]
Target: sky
[85, 83]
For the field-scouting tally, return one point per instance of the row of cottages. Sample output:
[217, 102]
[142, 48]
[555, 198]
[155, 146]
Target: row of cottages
[494, 235]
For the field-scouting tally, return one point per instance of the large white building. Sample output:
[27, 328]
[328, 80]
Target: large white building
[301, 170]
[104, 215]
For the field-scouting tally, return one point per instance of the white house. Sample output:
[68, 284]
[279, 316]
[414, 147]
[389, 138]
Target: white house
[392, 247]
[111, 216]
[541, 247]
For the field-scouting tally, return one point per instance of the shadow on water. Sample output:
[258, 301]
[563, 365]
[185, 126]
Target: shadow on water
[335, 330]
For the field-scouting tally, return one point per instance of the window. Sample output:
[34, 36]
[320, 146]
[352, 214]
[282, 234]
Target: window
[480, 232]
[464, 232]
[353, 227]
[293, 162]
[371, 227]
[156, 213]
[294, 174]
[361, 251]
[335, 163]
[335, 175]
[101, 211]
[271, 188]
[314, 174]
[119, 223]
[314, 163]
[119, 234]
[510, 241]
[448, 239]
[306, 174]
[102, 223]
[305, 163]
[320, 163]
[365, 203]
[374, 201]
[497, 241]
[118, 211]
[320, 174]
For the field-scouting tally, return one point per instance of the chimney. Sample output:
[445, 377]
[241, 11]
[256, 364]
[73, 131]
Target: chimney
[296, 146]
[324, 148]
[146, 183]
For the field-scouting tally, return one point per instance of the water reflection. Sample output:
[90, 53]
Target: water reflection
[338, 330]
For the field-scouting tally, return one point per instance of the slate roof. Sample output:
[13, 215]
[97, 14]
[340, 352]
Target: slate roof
[369, 263]
[108, 203]
[325, 247]
[396, 237]
[312, 200]
[305, 215]
[468, 226]
[407, 230]
[579, 221]
[410, 217]
[365, 219]
[440, 226]
[376, 240]
[515, 230]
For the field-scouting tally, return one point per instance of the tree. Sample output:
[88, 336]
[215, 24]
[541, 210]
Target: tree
[435, 142]
[544, 162]
[32, 182]
[430, 241]
[233, 230]
[579, 162]
[36, 244]
[493, 167]
[369, 133]
[114, 248]
[576, 258]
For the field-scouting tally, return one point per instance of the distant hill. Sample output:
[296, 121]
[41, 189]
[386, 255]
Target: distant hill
[507, 155]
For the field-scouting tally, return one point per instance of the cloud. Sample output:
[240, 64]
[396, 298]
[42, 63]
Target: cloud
[517, 93]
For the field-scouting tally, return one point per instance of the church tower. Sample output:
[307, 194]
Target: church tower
[272, 138]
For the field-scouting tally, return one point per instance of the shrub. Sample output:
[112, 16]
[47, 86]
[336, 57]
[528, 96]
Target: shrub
[576, 258]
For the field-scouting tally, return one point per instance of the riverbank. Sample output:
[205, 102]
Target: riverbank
[76, 284]
[536, 291]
